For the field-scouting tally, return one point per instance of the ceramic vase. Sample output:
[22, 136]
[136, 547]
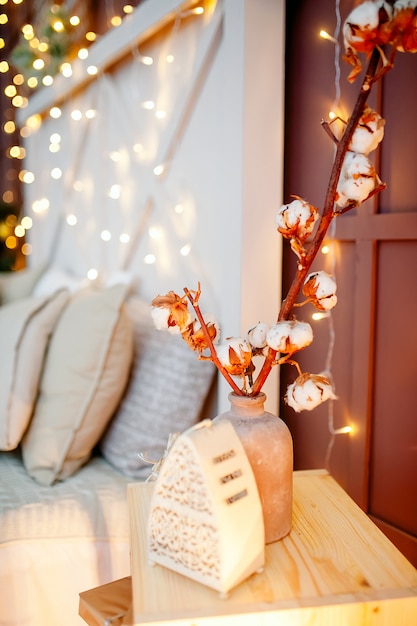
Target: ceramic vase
[267, 442]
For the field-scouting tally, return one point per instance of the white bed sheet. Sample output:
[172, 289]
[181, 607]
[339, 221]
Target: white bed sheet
[58, 541]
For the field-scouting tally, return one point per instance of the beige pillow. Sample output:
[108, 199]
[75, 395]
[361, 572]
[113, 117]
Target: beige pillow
[85, 374]
[20, 284]
[166, 392]
[26, 326]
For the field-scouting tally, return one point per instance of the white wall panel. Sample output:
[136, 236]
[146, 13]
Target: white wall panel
[221, 144]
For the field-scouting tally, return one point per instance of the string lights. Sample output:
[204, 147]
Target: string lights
[46, 48]
[328, 249]
[39, 75]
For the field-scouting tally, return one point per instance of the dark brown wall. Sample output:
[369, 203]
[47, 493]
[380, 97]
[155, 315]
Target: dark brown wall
[375, 256]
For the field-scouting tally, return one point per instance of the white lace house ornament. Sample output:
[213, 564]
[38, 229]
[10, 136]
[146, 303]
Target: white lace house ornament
[206, 518]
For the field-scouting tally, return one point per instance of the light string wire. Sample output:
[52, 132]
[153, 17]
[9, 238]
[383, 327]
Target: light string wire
[332, 336]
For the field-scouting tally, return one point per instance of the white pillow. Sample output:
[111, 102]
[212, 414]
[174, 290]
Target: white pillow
[165, 394]
[26, 326]
[54, 279]
[85, 374]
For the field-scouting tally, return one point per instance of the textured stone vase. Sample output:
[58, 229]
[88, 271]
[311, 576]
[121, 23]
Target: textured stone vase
[268, 444]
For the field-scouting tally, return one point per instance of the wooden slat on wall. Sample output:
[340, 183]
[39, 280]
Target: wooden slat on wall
[375, 250]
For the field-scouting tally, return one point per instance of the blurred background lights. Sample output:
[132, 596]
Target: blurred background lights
[185, 250]
[71, 219]
[56, 173]
[155, 232]
[76, 115]
[149, 259]
[114, 192]
[55, 113]
[92, 274]
[28, 177]
[124, 238]
[27, 222]
[105, 235]
[40, 206]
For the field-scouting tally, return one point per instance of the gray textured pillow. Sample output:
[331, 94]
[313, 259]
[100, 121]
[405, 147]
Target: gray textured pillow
[166, 392]
[85, 374]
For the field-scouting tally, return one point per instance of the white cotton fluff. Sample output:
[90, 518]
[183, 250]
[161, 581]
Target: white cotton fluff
[307, 392]
[160, 316]
[240, 347]
[289, 336]
[324, 284]
[365, 18]
[257, 335]
[357, 179]
[366, 137]
[400, 5]
[320, 288]
[299, 215]
[210, 320]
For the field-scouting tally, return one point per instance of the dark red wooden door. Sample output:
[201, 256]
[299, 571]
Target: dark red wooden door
[374, 257]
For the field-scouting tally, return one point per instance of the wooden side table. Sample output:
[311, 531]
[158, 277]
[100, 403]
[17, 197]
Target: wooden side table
[335, 567]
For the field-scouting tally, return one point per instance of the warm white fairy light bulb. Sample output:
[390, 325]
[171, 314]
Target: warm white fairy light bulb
[124, 238]
[76, 115]
[149, 259]
[105, 235]
[325, 35]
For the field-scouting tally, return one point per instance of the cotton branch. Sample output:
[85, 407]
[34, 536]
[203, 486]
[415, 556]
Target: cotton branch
[327, 215]
[194, 302]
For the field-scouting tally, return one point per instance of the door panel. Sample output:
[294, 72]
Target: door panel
[374, 258]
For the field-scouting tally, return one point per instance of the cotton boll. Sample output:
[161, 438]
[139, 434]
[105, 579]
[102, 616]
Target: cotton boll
[257, 335]
[320, 289]
[365, 25]
[308, 391]
[296, 219]
[368, 133]
[235, 355]
[289, 336]
[356, 165]
[357, 180]
[160, 317]
[404, 25]
[354, 190]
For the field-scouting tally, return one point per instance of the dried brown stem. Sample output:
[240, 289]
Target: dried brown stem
[214, 357]
[327, 215]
